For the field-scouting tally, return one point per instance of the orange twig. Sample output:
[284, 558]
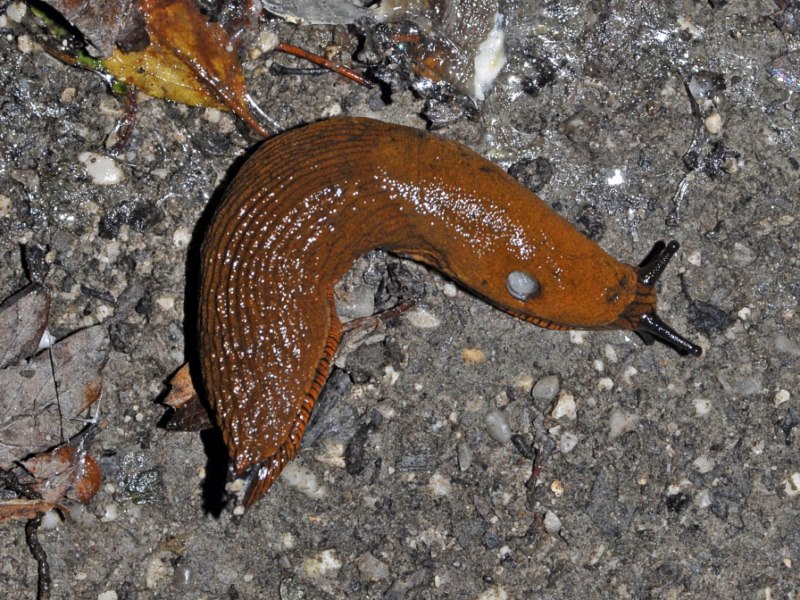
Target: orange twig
[323, 62]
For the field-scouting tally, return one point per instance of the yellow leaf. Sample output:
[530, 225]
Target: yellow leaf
[158, 73]
[189, 60]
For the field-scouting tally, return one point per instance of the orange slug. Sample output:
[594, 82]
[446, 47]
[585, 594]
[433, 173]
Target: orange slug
[311, 201]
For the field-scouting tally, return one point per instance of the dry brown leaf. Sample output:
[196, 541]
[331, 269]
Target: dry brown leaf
[54, 472]
[181, 388]
[20, 508]
[189, 413]
[87, 479]
[23, 319]
[33, 418]
[189, 60]
[64, 472]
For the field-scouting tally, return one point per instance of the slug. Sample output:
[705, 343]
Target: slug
[311, 201]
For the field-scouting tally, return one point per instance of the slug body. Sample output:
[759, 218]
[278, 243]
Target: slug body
[311, 201]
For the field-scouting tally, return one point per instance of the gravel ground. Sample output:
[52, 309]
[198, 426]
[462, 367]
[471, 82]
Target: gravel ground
[661, 476]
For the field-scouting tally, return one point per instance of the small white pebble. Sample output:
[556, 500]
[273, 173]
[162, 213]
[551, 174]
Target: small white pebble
[390, 376]
[791, 485]
[629, 373]
[567, 442]
[552, 524]
[157, 571]
[303, 480]
[16, 11]
[181, 237]
[473, 356]
[102, 169]
[599, 365]
[501, 399]
[267, 41]
[702, 499]
[5, 206]
[605, 384]
[332, 455]
[565, 407]
[357, 303]
[621, 423]
[25, 44]
[449, 289]
[596, 555]
[497, 426]
[235, 487]
[713, 123]
[744, 313]
[110, 512]
[51, 519]
[332, 110]
[611, 354]
[288, 540]
[109, 595]
[743, 254]
[702, 406]
[166, 302]
[422, 318]
[546, 388]
[577, 337]
[212, 115]
[704, 464]
[67, 95]
[371, 569]
[523, 382]
[47, 340]
[695, 258]
[323, 564]
[781, 396]
[465, 456]
[440, 485]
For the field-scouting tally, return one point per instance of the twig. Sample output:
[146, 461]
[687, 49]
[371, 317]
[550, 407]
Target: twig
[323, 62]
[38, 553]
[9, 480]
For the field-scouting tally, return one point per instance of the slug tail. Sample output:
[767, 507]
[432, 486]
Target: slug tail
[258, 478]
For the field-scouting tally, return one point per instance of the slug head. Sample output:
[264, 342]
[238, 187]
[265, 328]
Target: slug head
[595, 292]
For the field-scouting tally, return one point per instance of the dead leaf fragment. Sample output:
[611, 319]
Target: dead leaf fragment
[23, 319]
[33, 418]
[181, 388]
[189, 413]
[19, 508]
[87, 479]
[64, 472]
